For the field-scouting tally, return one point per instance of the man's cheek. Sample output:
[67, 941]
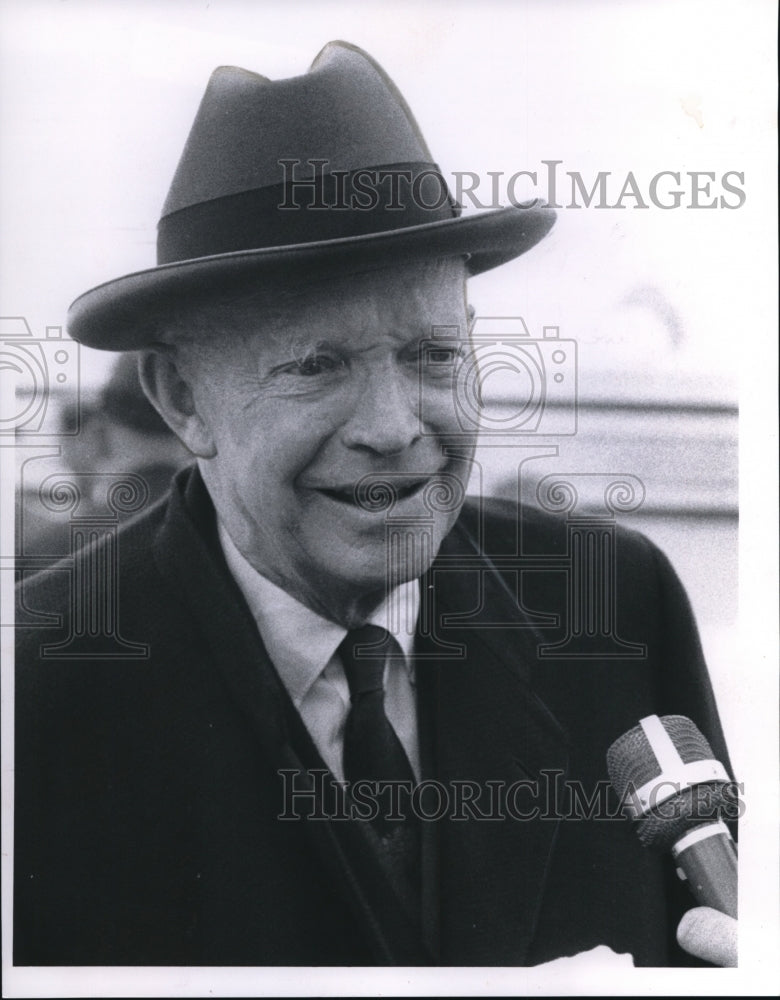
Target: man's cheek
[438, 408]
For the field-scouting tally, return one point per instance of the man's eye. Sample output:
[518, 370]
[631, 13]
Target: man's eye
[315, 364]
[439, 360]
[445, 355]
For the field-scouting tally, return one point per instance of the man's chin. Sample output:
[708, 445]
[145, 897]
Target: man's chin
[403, 551]
[367, 577]
[359, 569]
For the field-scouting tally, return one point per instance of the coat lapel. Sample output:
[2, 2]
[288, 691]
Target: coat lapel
[491, 738]
[188, 552]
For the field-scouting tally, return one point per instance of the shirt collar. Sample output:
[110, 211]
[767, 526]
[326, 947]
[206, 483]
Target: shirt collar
[299, 641]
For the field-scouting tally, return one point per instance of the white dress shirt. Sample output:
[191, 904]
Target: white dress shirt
[303, 645]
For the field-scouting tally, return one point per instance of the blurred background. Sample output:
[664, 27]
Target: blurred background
[658, 313]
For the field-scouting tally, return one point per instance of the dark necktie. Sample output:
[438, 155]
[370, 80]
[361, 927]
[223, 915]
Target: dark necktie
[372, 750]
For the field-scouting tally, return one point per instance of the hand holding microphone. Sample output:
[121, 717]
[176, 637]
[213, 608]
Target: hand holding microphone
[676, 791]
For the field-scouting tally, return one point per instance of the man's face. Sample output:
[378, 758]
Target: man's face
[314, 397]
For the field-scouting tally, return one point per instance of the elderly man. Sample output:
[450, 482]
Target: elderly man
[316, 639]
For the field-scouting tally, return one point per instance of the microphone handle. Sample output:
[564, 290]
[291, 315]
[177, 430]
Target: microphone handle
[707, 859]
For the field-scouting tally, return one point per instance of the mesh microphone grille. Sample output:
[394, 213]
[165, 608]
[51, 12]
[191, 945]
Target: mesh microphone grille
[630, 759]
[631, 763]
[692, 808]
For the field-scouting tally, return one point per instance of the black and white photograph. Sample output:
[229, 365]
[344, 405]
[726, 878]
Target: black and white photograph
[389, 516]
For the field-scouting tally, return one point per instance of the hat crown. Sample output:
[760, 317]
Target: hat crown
[345, 110]
[237, 219]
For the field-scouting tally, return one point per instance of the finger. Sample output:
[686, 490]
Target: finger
[710, 935]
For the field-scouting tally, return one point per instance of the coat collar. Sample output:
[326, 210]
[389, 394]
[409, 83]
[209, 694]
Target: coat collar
[480, 723]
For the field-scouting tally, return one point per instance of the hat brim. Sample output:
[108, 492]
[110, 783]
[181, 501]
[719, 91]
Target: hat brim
[125, 314]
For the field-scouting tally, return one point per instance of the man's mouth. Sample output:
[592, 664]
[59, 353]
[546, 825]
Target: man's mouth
[362, 498]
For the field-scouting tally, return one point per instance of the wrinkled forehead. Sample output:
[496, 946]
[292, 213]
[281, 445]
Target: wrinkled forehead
[404, 301]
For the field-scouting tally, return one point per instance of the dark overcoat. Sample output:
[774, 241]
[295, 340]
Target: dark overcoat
[149, 787]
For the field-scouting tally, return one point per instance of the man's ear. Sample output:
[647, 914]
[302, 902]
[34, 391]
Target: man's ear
[170, 393]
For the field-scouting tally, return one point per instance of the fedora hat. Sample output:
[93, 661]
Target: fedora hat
[293, 180]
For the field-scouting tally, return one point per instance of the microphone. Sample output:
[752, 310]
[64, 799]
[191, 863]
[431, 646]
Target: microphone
[664, 772]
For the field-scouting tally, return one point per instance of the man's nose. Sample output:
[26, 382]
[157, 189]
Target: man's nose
[386, 417]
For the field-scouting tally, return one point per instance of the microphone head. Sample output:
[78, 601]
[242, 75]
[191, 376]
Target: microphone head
[663, 769]
[632, 758]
